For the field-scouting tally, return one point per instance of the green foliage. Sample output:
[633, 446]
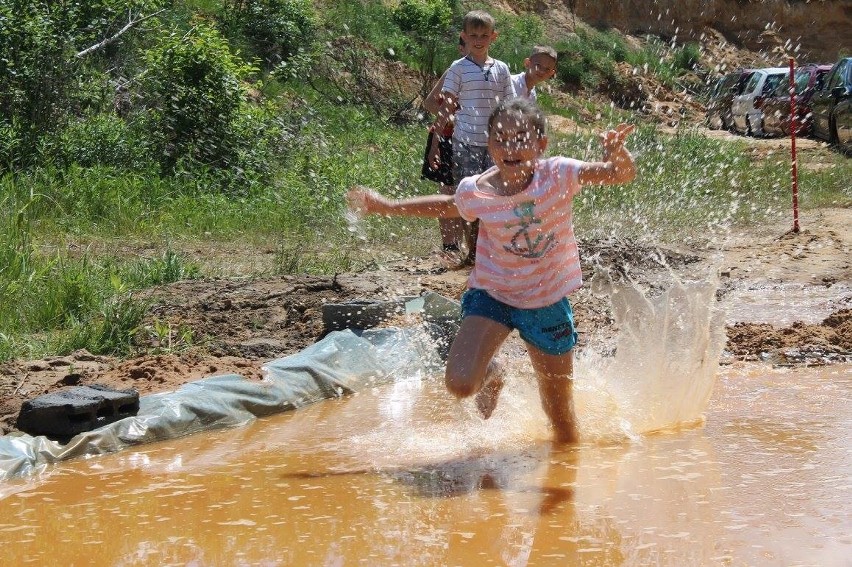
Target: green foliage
[665, 61]
[10, 142]
[428, 23]
[72, 301]
[373, 22]
[16, 253]
[426, 19]
[195, 91]
[41, 80]
[111, 329]
[168, 339]
[98, 139]
[275, 30]
[95, 20]
[518, 34]
[686, 57]
[587, 59]
[35, 38]
[167, 268]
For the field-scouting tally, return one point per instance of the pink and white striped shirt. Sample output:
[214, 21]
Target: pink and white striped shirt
[526, 253]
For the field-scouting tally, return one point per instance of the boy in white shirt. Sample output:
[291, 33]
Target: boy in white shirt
[538, 67]
[473, 87]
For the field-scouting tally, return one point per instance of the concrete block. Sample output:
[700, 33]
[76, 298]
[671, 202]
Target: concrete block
[77, 409]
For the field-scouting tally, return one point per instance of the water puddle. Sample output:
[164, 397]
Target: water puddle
[403, 475]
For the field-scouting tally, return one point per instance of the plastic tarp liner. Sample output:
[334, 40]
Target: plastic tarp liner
[341, 363]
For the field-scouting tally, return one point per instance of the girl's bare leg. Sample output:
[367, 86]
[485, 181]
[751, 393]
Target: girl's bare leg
[555, 386]
[487, 396]
[470, 356]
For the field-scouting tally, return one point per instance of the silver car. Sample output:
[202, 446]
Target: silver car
[746, 109]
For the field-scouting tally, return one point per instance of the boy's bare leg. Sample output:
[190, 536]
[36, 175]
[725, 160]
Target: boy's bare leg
[452, 230]
[471, 232]
[470, 355]
[555, 386]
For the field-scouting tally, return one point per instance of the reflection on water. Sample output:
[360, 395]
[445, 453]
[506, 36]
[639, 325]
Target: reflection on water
[368, 480]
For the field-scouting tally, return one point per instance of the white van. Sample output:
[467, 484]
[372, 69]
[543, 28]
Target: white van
[746, 108]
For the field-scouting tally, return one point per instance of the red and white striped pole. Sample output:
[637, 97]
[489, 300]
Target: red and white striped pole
[794, 171]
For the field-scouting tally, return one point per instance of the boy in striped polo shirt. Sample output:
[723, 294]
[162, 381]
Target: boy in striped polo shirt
[527, 260]
[473, 86]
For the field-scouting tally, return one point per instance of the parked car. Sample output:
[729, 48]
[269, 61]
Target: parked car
[746, 108]
[776, 107]
[718, 114]
[832, 106]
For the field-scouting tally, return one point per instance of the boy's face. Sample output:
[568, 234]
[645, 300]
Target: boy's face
[478, 40]
[515, 144]
[541, 66]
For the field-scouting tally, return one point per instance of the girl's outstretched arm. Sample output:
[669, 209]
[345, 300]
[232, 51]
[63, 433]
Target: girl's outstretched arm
[617, 165]
[366, 201]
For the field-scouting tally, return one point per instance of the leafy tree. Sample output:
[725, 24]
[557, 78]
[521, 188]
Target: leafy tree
[42, 82]
[36, 68]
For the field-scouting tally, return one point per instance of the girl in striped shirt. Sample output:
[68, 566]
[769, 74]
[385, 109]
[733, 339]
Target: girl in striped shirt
[527, 258]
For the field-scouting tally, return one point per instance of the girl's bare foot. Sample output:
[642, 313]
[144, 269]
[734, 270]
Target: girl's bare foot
[486, 398]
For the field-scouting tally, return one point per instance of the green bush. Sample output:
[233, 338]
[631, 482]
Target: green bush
[580, 64]
[425, 18]
[275, 30]
[195, 90]
[100, 139]
[36, 66]
[518, 34]
[10, 141]
[428, 22]
[687, 57]
[373, 22]
[42, 83]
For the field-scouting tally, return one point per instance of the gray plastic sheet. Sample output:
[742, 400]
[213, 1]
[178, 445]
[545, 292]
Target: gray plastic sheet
[341, 363]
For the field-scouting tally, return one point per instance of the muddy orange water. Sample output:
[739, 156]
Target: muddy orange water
[403, 475]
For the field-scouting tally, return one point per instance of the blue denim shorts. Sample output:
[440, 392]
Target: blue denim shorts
[550, 329]
[469, 160]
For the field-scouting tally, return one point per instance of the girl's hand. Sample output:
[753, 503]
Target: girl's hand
[617, 166]
[613, 140]
[362, 200]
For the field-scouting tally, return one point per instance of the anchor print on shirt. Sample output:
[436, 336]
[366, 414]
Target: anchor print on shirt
[522, 243]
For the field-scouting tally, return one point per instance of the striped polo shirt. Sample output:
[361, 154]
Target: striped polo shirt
[478, 90]
[526, 253]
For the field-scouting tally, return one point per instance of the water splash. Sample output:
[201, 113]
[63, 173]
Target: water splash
[355, 224]
[667, 351]
[656, 373]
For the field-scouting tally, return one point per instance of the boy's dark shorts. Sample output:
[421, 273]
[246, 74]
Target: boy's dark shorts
[550, 329]
[444, 173]
[470, 160]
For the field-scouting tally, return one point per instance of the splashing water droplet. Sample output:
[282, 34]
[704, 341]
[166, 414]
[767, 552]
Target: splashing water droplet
[354, 224]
